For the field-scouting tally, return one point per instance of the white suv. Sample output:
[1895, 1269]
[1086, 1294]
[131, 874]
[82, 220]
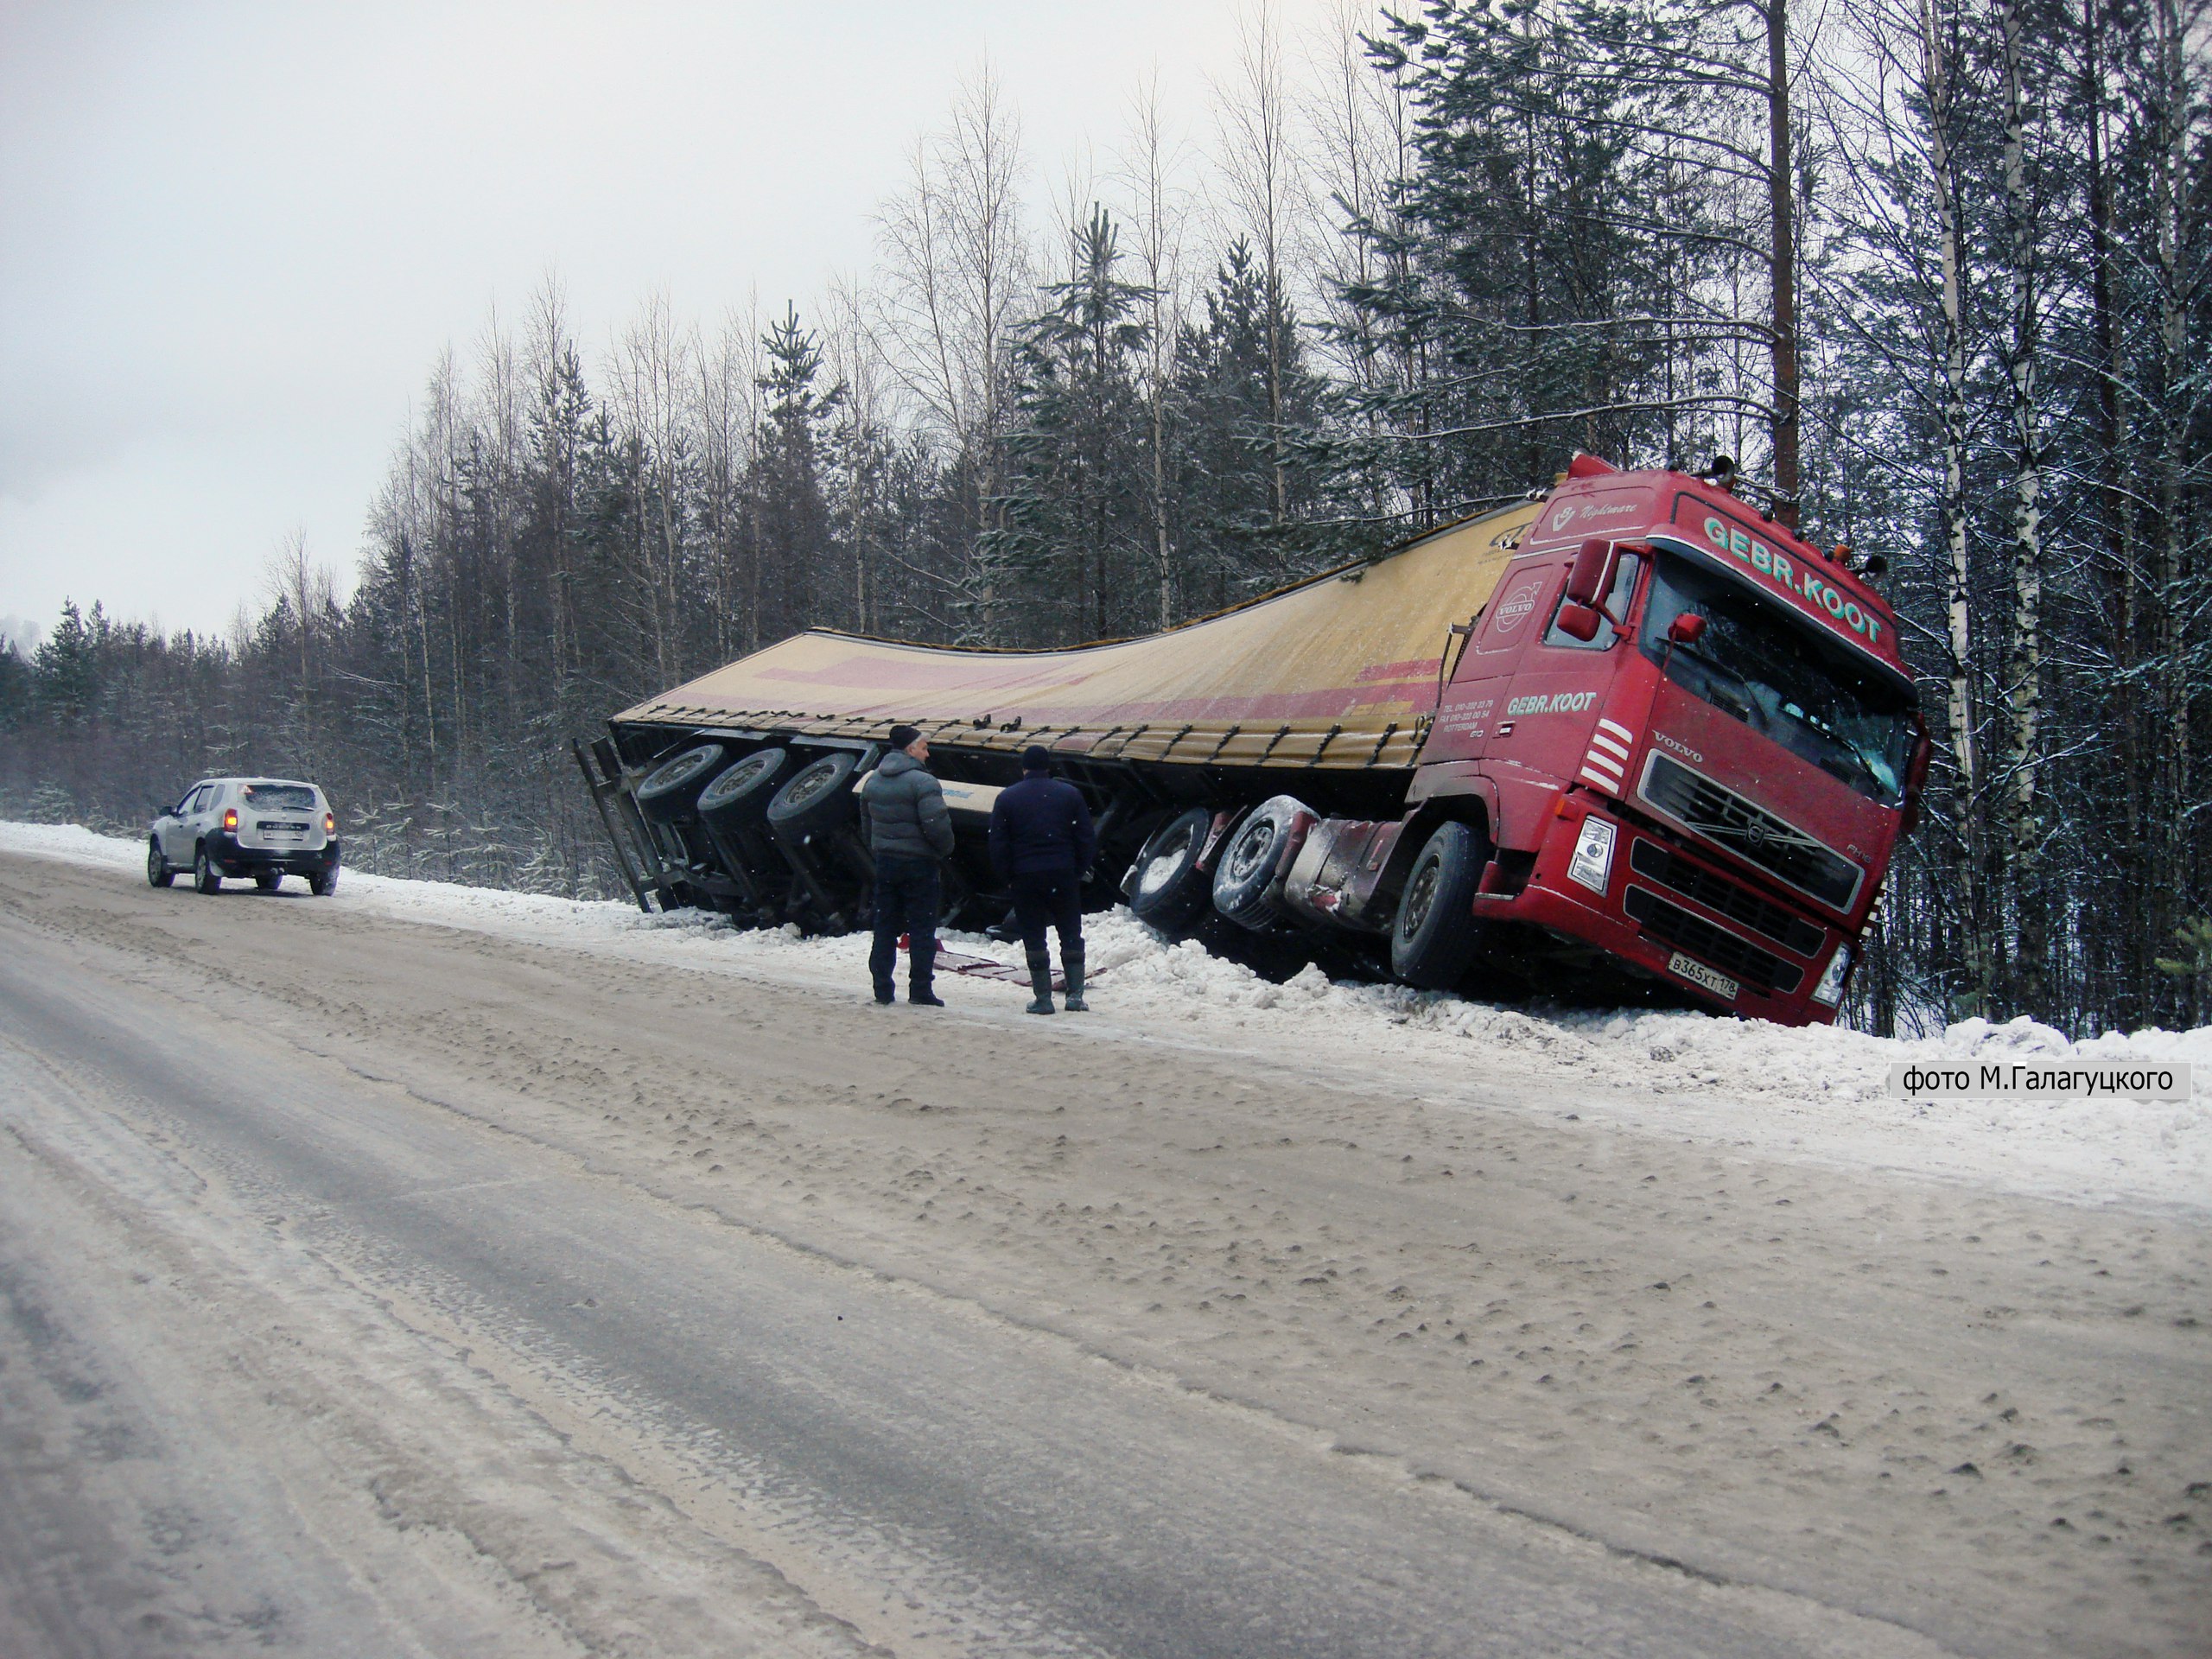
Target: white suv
[266, 828]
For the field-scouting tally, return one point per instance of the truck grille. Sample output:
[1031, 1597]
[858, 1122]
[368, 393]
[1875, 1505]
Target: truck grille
[1753, 834]
[1734, 955]
[1733, 899]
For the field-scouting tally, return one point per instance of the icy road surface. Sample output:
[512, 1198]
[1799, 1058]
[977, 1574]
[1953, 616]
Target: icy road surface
[427, 1272]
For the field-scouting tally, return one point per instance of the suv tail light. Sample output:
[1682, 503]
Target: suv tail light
[330, 824]
[230, 819]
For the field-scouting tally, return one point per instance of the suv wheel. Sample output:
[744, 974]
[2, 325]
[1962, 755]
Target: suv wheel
[206, 878]
[268, 881]
[324, 885]
[159, 871]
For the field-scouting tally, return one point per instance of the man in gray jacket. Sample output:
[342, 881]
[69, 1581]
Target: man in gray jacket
[910, 833]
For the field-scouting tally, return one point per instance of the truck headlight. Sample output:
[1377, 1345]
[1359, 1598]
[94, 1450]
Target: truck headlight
[1592, 863]
[1829, 991]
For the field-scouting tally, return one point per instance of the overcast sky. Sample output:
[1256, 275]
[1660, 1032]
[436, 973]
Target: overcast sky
[237, 236]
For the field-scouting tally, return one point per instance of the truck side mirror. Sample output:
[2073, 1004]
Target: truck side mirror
[1687, 629]
[1578, 621]
[1593, 563]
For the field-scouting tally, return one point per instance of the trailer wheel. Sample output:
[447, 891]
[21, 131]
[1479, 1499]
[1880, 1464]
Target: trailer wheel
[818, 797]
[1434, 940]
[1244, 875]
[1171, 892]
[670, 792]
[739, 794]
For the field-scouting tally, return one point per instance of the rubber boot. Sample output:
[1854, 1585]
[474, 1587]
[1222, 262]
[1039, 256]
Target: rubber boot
[1041, 980]
[1072, 961]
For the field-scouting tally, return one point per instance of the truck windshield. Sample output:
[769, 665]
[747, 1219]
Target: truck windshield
[1780, 678]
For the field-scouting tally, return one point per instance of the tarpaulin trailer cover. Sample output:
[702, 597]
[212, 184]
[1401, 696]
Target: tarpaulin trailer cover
[1338, 671]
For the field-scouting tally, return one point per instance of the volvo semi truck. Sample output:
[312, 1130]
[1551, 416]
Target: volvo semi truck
[1634, 734]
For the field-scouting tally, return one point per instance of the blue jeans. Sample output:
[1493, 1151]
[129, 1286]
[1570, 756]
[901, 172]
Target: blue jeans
[906, 891]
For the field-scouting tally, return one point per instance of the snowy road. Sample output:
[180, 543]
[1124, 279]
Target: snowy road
[380, 1287]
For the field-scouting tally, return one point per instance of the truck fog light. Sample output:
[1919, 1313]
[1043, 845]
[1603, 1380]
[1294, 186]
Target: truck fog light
[1592, 863]
[1829, 991]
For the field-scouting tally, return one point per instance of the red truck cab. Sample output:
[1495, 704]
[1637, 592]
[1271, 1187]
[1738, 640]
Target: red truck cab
[1709, 786]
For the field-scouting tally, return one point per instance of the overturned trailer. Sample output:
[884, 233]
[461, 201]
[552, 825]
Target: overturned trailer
[1634, 734]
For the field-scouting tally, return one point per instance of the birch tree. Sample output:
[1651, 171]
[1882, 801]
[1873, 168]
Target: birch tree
[1263, 182]
[954, 286]
[1150, 170]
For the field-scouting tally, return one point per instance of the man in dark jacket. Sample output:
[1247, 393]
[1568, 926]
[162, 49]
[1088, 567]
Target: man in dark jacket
[1041, 842]
[909, 833]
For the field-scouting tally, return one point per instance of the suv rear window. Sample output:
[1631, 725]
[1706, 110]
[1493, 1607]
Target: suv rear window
[281, 798]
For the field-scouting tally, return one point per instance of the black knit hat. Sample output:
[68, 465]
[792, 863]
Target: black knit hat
[902, 737]
[1036, 757]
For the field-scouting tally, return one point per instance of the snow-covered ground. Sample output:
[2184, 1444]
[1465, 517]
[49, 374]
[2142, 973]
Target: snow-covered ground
[1815, 1094]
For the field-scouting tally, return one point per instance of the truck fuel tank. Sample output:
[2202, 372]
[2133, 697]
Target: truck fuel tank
[1337, 879]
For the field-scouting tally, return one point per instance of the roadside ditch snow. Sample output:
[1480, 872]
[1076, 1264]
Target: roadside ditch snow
[1812, 1095]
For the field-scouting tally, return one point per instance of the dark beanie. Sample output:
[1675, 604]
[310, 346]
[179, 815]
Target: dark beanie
[1036, 757]
[902, 737]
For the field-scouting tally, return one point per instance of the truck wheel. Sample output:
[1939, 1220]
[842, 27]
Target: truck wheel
[1171, 891]
[159, 871]
[1244, 877]
[671, 790]
[1434, 941]
[818, 797]
[206, 878]
[740, 795]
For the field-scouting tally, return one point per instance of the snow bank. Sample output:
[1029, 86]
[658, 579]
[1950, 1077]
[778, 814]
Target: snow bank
[1815, 1094]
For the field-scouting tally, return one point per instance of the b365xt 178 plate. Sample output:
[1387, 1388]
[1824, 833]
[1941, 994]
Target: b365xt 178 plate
[1698, 974]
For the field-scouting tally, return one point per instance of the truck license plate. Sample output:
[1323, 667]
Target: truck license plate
[1698, 974]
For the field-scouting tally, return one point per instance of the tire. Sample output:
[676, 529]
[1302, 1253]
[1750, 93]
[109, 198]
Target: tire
[268, 881]
[1435, 937]
[324, 885]
[159, 871]
[1170, 892]
[206, 878]
[819, 797]
[740, 795]
[1246, 875]
[672, 790]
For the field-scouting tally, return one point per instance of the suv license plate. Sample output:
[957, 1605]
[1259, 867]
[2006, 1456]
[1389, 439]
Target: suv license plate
[1698, 974]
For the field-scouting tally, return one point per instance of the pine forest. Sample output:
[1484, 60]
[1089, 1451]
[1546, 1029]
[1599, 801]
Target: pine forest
[1932, 272]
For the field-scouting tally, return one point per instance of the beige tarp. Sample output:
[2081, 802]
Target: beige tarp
[1339, 672]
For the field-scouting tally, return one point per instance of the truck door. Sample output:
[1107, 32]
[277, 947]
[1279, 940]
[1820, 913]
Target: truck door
[1470, 712]
[1548, 721]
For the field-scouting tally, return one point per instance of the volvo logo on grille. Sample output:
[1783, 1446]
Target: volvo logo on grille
[1750, 831]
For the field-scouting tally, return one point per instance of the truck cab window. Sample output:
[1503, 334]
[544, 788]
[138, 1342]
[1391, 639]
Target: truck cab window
[1764, 668]
[1618, 597]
